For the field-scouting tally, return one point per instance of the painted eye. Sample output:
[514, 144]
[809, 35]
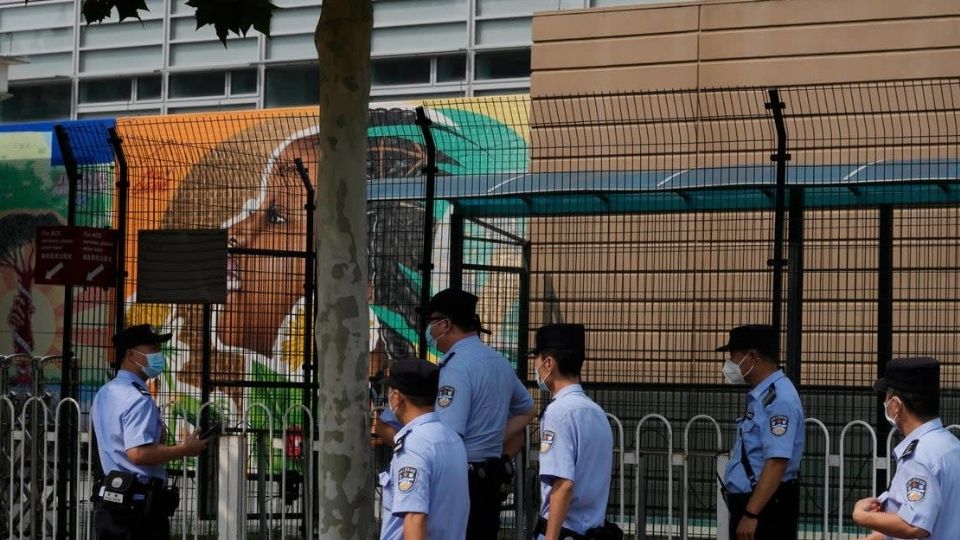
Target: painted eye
[274, 215]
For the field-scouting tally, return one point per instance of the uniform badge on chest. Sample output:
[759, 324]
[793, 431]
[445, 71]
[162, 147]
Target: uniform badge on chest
[779, 424]
[407, 476]
[916, 489]
[445, 395]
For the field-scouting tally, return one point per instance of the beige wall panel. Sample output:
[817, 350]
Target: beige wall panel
[615, 79]
[827, 40]
[611, 23]
[927, 343]
[928, 315]
[928, 255]
[784, 13]
[626, 51]
[828, 69]
[879, 98]
[927, 285]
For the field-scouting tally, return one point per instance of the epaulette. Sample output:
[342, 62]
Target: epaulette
[398, 444]
[910, 449]
[770, 396]
[141, 389]
[444, 361]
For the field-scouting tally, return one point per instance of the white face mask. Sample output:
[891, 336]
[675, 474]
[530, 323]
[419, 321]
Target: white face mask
[731, 371]
[891, 419]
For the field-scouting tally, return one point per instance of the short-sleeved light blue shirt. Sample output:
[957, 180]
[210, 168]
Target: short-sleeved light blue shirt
[771, 427]
[479, 391]
[926, 488]
[576, 443]
[124, 417]
[428, 475]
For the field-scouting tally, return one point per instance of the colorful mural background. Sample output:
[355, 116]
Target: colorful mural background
[235, 171]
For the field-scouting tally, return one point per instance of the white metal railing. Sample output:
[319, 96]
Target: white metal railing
[30, 440]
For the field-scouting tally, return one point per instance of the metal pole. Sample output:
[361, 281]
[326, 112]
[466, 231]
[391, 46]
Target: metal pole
[310, 373]
[426, 261]
[523, 313]
[795, 289]
[884, 307]
[457, 232]
[123, 191]
[65, 519]
[781, 157]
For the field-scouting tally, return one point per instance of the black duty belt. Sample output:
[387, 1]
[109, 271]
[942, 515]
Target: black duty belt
[565, 533]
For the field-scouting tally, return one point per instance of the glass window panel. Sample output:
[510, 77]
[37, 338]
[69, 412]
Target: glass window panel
[504, 32]
[489, 8]
[393, 71]
[37, 16]
[243, 82]
[298, 47]
[36, 41]
[404, 11]
[212, 53]
[127, 33]
[119, 112]
[183, 85]
[36, 102]
[120, 60]
[292, 85]
[212, 108]
[104, 90]
[42, 65]
[423, 38]
[149, 87]
[451, 68]
[503, 64]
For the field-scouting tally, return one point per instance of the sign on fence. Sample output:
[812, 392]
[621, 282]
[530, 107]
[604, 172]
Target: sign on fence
[70, 255]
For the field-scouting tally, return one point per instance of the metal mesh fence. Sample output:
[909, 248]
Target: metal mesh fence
[649, 217]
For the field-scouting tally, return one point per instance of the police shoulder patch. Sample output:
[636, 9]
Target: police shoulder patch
[546, 441]
[406, 477]
[445, 395]
[141, 389]
[779, 424]
[916, 489]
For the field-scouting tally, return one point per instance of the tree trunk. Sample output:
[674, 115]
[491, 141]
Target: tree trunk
[20, 318]
[345, 492]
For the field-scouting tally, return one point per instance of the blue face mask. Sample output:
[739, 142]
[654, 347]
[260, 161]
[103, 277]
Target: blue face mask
[431, 341]
[156, 363]
[540, 382]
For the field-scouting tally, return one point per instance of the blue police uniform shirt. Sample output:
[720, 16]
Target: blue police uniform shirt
[772, 427]
[478, 392]
[576, 444]
[428, 475]
[125, 417]
[927, 483]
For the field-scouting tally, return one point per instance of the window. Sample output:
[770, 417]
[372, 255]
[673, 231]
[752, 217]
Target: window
[243, 82]
[148, 88]
[292, 85]
[105, 90]
[185, 85]
[49, 101]
[394, 71]
[503, 64]
[451, 68]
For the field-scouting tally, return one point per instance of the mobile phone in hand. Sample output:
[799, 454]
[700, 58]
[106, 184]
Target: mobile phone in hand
[213, 430]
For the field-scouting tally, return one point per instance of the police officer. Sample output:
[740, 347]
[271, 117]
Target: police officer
[761, 481]
[921, 501]
[576, 444]
[481, 398]
[425, 493]
[133, 502]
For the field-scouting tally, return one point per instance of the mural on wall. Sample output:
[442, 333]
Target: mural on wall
[33, 192]
[236, 171]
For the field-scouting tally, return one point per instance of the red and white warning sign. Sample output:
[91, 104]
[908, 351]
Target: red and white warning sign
[76, 256]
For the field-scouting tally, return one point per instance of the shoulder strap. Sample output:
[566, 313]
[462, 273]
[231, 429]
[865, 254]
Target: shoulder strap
[770, 396]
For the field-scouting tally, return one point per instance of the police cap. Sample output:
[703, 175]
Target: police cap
[912, 375]
[457, 305]
[141, 334]
[413, 377]
[761, 337]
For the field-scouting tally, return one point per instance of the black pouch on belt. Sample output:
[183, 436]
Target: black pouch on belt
[118, 491]
[609, 531]
[162, 500]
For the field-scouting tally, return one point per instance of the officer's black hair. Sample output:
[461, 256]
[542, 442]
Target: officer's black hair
[925, 406]
[569, 362]
[466, 326]
[421, 401]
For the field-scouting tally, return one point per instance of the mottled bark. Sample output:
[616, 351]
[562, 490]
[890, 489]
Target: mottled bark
[343, 47]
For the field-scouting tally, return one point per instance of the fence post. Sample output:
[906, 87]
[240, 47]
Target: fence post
[884, 307]
[430, 177]
[123, 191]
[67, 382]
[795, 286]
[780, 157]
[457, 232]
